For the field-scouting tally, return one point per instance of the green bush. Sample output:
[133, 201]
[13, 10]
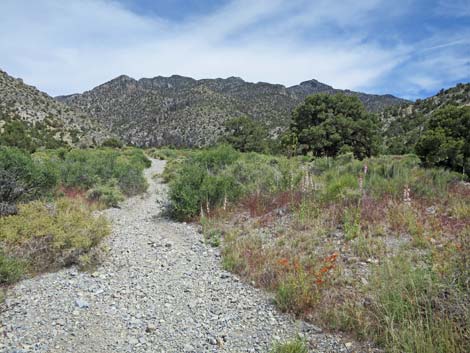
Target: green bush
[113, 143]
[386, 176]
[85, 169]
[130, 178]
[169, 154]
[343, 187]
[207, 178]
[137, 157]
[29, 137]
[108, 194]
[30, 178]
[50, 235]
[11, 270]
[295, 293]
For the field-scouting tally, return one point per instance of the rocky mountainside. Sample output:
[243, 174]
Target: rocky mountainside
[403, 124]
[182, 111]
[29, 114]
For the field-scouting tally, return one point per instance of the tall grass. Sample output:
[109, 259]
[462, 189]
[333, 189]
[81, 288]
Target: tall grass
[297, 345]
[385, 176]
[377, 248]
[409, 312]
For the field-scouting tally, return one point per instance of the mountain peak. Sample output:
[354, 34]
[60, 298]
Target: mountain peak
[183, 111]
[122, 78]
[311, 87]
[314, 83]
[235, 78]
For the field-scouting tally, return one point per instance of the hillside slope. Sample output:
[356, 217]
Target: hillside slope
[404, 124]
[39, 120]
[182, 111]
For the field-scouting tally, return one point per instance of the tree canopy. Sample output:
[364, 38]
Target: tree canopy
[246, 135]
[327, 125]
[446, 142]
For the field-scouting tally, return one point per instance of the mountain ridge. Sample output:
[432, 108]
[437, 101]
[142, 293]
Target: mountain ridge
[183, 111]
[313, 83]
[30, 114]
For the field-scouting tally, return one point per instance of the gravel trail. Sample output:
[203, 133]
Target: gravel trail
[160, 289]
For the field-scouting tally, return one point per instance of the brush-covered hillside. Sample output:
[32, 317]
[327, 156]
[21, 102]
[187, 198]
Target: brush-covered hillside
[404, 124]
[30, 118]
[182, 111]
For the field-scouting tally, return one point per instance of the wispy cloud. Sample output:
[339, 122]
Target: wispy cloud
[453, 8]
[64, 47]
[439, 61]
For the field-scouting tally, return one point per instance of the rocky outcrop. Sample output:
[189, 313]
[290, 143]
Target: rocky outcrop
[43, 117]
[182, 111]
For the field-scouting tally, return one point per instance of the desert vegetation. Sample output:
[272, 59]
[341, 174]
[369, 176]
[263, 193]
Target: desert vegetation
[209, 179]
[375, 247]
[353, 220]
[294, 346]
[445, 143]
[47, 204]
[370, 244]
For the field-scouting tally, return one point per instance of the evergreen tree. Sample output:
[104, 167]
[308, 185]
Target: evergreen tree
[327, 125]
[446, 142]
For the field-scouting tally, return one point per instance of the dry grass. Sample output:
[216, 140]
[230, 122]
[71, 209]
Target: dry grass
[385, 268]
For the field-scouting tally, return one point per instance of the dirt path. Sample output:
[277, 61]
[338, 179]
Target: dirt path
[161, 289]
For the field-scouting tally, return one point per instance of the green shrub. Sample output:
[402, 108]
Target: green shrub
[11, 270]
[169, 154]
[216, 159]
[30, 178]
[113, 143]
[129, 176]
[343, 187]
[108, 194]
[27, 136]
[297, 345]
[47, 236]
[352, 223]
[295, 293]
[386, 176]
[85, 169]
[207, 178]
[137, 157]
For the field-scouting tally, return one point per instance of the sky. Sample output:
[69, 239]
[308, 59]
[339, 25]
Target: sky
[408, 48]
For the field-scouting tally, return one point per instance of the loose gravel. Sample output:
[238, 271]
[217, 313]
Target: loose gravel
[159, 289]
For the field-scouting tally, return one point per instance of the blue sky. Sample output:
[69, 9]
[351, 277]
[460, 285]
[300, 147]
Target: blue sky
[407, 48]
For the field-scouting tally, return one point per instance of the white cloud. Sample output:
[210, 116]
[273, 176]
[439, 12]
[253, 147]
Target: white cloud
[433, 63]
[70, 46]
